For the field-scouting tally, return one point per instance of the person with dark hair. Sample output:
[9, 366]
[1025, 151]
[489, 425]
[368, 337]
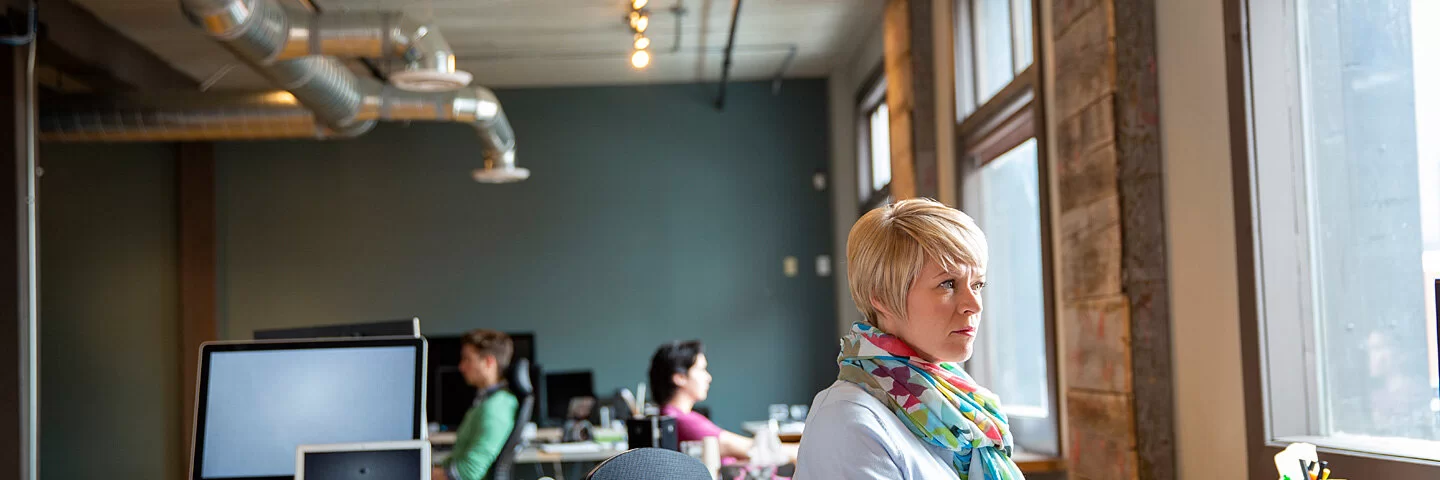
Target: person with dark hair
[484, 356]
[679, 379]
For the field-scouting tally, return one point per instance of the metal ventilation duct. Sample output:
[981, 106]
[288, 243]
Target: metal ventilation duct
[173, 117]
[321, 98]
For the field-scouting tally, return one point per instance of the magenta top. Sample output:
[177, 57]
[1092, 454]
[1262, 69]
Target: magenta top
[691, 425]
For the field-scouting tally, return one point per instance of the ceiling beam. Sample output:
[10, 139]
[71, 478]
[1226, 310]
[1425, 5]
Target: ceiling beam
[76, 42]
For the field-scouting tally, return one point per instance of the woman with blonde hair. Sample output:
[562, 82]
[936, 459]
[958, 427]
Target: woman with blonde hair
[903, 408]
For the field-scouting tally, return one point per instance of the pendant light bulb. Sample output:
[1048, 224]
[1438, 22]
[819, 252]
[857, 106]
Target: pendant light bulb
[640, 59]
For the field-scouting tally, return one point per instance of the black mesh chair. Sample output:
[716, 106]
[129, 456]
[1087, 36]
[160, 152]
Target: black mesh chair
[650, 464]
[518, 382]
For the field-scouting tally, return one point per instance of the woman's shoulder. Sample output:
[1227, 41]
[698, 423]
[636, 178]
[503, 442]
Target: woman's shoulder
[846, 438]
[846, 408]
[844, 399]
[850, 434]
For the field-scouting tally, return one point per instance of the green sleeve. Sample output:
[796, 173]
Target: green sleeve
[482, 435]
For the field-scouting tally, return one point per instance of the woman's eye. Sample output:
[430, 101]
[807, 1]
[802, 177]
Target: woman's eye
[948, 284]
[978, 286]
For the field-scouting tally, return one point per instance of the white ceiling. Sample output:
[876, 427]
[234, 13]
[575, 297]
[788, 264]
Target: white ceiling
[509, 43]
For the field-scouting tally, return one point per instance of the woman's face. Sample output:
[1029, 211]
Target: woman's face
[943, 311]
[696, 381]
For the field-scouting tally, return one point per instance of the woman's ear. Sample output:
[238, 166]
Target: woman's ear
[879, 307]
[679, 379]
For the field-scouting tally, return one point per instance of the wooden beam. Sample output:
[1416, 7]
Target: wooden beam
[898, 96]
[910, 94]
[76, 42]
[1143, 233]
[196, 176]
[18, 326]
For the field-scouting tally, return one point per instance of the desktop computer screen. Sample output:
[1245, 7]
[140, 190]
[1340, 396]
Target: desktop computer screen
[563, 386]
[259, 401]
[405, 327]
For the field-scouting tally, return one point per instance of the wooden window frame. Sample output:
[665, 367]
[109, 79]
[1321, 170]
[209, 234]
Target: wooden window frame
[870, 97]
[986, 131]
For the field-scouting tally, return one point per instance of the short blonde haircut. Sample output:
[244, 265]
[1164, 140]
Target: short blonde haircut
[888, 247]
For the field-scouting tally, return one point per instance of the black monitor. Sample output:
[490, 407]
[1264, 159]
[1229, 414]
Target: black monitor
[258, 401]
[449, 396]
[406, 327]
[561, 387]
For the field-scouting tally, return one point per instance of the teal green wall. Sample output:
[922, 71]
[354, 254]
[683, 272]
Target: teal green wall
[109, 355]
[650, 217]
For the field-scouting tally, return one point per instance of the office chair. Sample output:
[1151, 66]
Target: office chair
[650, 464]
[518, 382]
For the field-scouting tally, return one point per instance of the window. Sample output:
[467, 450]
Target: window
[1000, 186]
[874, 145]
[879, 148]
[1345, 175]
[994, 43]
[1004, 198]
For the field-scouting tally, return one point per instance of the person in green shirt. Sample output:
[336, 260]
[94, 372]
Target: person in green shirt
[484, 356]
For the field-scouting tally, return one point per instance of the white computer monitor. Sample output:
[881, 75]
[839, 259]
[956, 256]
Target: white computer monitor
[257, 402]
[400, 460]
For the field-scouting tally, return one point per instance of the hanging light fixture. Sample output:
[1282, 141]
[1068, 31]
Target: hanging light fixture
[640, 59]
[639, 20]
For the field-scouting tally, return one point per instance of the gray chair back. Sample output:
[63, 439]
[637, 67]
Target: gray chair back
[518, 382]
[650, 464]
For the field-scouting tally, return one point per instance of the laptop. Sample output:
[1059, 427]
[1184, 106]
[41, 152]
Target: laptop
[399, 460]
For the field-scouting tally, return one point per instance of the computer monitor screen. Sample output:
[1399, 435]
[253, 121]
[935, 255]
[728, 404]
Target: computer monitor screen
[452, 397]
[406, 327]
[259, 401]
[563, 386]
[449, 396]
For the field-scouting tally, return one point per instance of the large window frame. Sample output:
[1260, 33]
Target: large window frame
[986, 129]
[1276, 315]
[869, 99]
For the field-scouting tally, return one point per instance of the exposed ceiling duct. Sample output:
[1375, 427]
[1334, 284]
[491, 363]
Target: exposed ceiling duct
[429, 61]
[321, 97]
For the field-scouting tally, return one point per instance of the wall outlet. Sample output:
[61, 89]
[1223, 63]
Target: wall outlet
[822, 265]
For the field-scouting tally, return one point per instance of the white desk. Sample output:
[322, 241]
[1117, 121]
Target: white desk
[532, 454]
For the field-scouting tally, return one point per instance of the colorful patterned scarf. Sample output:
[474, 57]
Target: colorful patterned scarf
[940, 403]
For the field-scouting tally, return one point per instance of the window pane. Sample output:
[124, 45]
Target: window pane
[1024, 35]
[880, 147]
[1004, 196]
[994, 66]
[1373, 173]
[1427, 119]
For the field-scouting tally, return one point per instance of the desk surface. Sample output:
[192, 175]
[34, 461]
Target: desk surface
[532, 454]
[1036, 463]
[1028, 462]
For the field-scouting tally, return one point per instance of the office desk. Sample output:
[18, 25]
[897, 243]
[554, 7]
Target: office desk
[442, 438]
[789, 431]
[533, 454]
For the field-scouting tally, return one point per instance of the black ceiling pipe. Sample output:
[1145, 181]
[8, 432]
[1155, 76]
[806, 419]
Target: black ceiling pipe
[729, 50]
